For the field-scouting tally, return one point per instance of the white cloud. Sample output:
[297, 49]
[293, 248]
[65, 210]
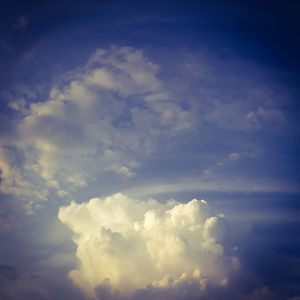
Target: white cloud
[126, 245]
[105, 117]
[98, 120]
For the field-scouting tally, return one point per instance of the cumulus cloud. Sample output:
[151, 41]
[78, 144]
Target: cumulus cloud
[104, 118]
[98, 120]
[127, 248]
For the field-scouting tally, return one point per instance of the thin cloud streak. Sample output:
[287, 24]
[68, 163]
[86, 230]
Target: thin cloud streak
[215, 185]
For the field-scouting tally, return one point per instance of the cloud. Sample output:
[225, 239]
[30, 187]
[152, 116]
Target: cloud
[216, 184]
[231, 159]
[239, 115]
[232, 95]
[104, 118]
[262, 115]
[127, 247]
[8, 272]
[99, 119]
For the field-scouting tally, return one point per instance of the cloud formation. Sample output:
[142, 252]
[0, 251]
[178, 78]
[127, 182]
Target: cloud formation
[127, 248]
[105, 117]
[99, 119]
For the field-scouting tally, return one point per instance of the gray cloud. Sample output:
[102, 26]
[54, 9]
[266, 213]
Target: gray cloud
[8, 272]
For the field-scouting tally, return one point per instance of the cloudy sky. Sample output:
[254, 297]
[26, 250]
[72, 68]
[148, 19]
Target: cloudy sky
[149, 150]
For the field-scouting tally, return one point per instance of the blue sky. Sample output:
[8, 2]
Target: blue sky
[115, 115]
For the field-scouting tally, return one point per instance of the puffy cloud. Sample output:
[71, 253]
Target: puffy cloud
[126, 248]
[104, 117]
[98, 120]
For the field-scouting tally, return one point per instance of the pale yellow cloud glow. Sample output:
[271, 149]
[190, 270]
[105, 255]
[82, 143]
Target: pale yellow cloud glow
[129, 244]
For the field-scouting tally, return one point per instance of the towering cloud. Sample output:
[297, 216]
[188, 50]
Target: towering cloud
[127, 248]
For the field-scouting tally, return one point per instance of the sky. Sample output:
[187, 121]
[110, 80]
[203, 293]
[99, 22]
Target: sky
[149, 150]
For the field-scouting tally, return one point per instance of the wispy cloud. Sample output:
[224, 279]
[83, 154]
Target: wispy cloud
[214, 184]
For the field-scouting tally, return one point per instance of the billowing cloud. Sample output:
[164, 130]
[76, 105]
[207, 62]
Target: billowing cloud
[158, 122]
[126, 248]
[105, 117]
[99, 119]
